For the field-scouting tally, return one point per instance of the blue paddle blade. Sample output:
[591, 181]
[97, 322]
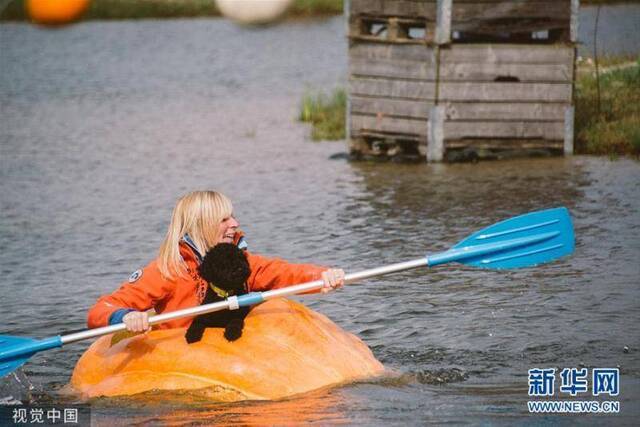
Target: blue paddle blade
[15, 351]
[523, 241]
[10, 364]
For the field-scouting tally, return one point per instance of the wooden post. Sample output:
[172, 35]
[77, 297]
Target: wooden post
[347, 111]
[346, 11]
[435, 141]
[575, 10]
[443, 25]
[393, 29]
[569, 115]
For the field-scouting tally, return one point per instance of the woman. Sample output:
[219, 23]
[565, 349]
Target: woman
[200, 220]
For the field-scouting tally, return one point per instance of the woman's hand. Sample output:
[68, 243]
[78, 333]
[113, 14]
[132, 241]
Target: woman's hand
[333, 278]
[136, 321]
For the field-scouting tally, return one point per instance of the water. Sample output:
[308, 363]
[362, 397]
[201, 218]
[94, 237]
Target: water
[105, 124]
[618, 30]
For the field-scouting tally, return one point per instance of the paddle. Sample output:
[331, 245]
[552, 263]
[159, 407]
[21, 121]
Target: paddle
[522, 241]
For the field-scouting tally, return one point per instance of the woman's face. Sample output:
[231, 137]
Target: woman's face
[227, 230]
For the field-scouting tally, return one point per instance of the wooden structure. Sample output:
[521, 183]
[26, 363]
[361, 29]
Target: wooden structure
[438, 78]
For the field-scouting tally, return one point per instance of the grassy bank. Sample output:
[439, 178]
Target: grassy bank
[141, 9]
[611, 126]
[317, 7]
[325, 113]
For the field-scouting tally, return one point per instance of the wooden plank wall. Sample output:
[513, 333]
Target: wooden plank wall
[391, 87]
[471, 20]
[392, 21]
[505, 91]
[401, 8]
[492, 95]
[494, 17]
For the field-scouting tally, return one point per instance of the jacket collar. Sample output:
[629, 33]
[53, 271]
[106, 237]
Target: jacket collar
[186, 239]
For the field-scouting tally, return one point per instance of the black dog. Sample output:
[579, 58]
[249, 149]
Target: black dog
[225, 268]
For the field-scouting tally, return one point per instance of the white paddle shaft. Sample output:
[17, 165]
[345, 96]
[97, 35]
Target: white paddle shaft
[227, 304]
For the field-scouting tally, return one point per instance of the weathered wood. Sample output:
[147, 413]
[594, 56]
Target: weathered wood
[443, 30]
[357, 26]
[360, 123]
[385, 41]
[492, 71]
[393, 30]
[390, 52]
[346, 11]
[503, 92]
[463, 10]
[507, 53]
[508, 1]
[495, 96]
[511, 17]
[569, 116]
[409, 8]
[405, 27]
[397, 136]
[398, 68]
[494, 129]
[392, 88]
[398, 41]
[379, 145]
[505, 31]
[575, 17]
[504, 111]
[513, 9]
[435, 142]
[391, 107]
[346, 7]
[358, 145]
[511, 144]
[487, 18]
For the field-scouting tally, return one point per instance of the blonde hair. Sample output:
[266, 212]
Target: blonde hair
[199, 215]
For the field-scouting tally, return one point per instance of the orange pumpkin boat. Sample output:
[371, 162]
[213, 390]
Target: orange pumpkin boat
[285, 349]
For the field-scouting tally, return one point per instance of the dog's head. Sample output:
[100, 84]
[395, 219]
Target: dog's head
[226, 266]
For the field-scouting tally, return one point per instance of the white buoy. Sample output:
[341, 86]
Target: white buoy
[253, 12]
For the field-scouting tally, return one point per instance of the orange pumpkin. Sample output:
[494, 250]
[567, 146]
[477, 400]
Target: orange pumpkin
[285, 349]
[55, 12]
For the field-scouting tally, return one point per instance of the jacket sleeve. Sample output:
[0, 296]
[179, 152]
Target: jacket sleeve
[140, 294]
[274, 273]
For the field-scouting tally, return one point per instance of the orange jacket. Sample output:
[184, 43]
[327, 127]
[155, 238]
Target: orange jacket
[149, 289]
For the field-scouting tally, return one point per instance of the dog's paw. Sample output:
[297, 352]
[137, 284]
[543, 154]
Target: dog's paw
[193, 335]
[233, 331]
